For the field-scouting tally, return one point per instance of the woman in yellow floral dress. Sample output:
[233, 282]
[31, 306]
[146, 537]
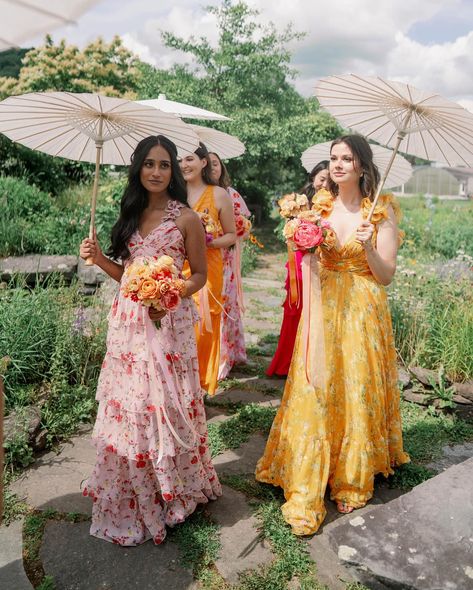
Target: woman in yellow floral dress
[343, 433]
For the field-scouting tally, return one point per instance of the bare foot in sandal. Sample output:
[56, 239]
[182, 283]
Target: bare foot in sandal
[344, 508]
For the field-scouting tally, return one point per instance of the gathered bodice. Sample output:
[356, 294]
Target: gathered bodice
[351, 256]
[164, 239]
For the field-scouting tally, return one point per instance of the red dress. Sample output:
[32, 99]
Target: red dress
[292, 313]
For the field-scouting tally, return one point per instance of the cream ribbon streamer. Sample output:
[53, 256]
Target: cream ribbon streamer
[313, 341]
[204, 310]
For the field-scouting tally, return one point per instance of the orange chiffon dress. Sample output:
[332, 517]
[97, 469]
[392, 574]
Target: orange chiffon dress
[209, 301]
[344, 433]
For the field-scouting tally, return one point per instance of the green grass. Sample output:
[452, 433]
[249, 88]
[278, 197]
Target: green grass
[425, 433]
[198, 539]
[13, 506]
[292, 559]
[235, 431]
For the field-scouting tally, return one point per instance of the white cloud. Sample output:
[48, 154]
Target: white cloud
[445, 67]
[359, 36]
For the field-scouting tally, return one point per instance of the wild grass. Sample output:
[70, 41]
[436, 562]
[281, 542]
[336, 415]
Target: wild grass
[56, 345]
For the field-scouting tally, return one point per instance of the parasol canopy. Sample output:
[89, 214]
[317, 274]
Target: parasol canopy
[88, 128]
[223, 144]
[399, 173]
[186, 111]
[400, 116]
[23, 19]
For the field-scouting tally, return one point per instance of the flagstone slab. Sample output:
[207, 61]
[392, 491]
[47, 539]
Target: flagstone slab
[78, 561]
[12, 574]
[423, 540]
[247, 396]
[34, 265]
[241, 461]
[242, 546]
[54, 481]
[452, 455]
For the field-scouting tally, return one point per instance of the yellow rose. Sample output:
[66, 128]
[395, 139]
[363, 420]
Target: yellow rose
[290, 228]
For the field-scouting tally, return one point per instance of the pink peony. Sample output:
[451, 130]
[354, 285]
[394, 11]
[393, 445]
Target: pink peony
[171, 300]
[308, 235]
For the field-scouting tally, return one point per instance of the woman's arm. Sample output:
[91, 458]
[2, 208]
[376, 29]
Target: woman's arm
[194, 241]
[91, 249]
[224, 205]
[382, 259]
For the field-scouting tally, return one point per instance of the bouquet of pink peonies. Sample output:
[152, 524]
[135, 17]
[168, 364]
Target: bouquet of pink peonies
[309, 230]
[154, 282]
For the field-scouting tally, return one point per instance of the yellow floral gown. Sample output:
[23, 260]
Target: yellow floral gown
[345, 433]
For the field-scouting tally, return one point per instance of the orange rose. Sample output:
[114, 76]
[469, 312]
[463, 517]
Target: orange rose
[149, 289]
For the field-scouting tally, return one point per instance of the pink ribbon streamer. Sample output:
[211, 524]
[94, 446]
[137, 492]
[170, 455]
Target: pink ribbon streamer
[237, 274]
[312, 322]
[156, 391]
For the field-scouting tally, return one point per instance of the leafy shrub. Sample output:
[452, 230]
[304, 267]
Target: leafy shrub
[33, 222]
[440, 227]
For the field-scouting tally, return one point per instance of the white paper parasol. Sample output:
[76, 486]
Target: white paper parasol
[400, 116]
[186, 111]
[399, 173]
[88, 128]
[223, 144]
[21, 20]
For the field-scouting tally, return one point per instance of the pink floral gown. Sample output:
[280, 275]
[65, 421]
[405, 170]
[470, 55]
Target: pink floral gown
[153, 463]
[232, 339]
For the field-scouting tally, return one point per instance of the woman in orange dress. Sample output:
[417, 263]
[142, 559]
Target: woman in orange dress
[215, 207]
[339, 422]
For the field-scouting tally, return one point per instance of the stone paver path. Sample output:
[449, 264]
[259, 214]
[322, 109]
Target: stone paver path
[77, 561]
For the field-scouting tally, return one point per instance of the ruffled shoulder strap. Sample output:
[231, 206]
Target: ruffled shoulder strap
[322, 202]
[173, 210]
[380, 212]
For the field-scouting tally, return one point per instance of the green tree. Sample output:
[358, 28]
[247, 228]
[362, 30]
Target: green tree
[10, 62]
[107, 68]
[248, 77]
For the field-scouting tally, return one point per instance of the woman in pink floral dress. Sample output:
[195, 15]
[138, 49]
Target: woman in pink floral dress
[153, 463]
[232, 338]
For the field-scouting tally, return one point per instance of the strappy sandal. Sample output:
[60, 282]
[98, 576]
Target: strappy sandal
[344, 508]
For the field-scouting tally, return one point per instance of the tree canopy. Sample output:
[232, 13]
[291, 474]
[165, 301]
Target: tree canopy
[246, 75]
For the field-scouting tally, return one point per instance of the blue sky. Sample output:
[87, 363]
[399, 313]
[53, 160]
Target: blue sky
[428, 43]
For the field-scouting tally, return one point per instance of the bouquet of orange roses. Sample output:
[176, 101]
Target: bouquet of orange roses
[308, 230]
[292, 204]
[243, 225]
[154, 282]
[210, 227]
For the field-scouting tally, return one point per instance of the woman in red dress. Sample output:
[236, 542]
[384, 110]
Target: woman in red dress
[279, 366]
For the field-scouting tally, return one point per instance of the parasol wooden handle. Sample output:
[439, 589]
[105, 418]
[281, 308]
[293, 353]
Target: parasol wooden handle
[93, 202]
[401, 134]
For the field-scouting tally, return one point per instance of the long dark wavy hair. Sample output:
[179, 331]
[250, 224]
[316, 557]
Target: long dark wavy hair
[135, 196]
[308, 188]
[364, 164]
[224, 181]
[203, 153]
